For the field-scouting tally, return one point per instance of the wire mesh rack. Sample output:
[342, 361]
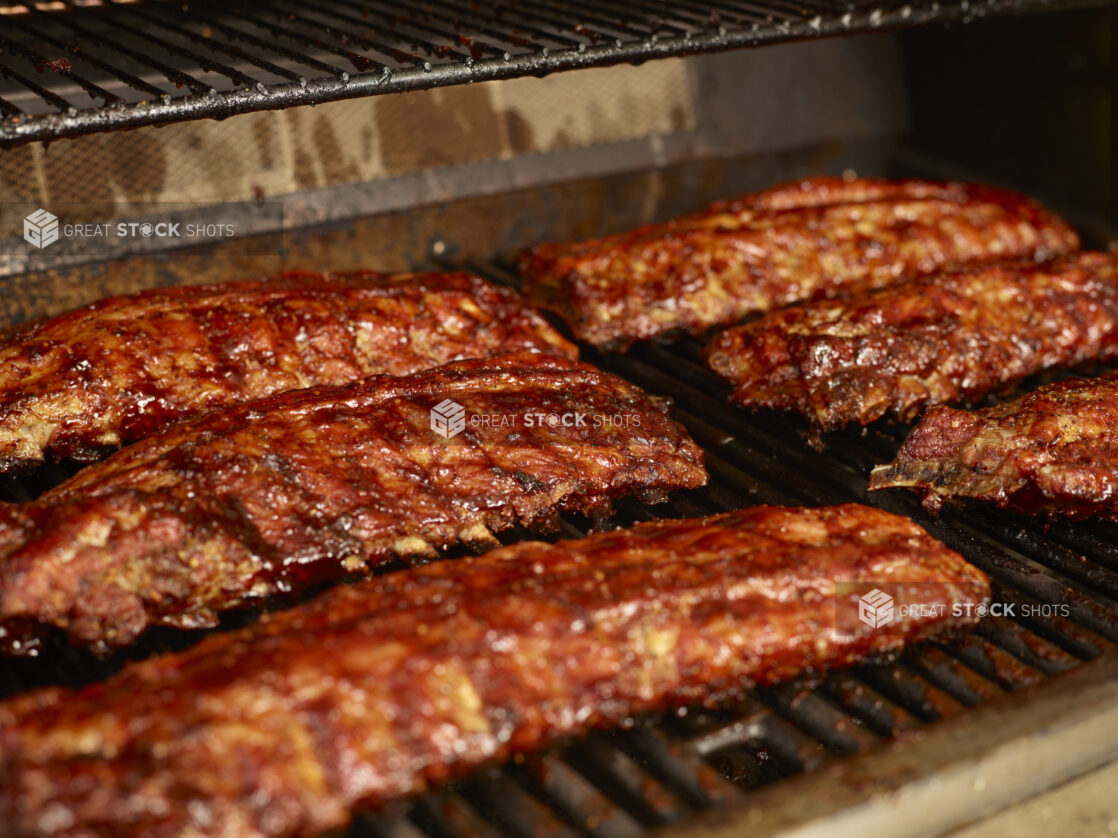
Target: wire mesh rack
[69, 67]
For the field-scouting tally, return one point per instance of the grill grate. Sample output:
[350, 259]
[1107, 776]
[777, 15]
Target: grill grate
[67, 68]
[658, 771]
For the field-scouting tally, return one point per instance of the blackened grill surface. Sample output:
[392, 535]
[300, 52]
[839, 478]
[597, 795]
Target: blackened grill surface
[661, 769]
[72, 70]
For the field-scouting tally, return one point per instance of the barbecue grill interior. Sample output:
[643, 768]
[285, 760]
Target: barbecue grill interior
[1017, 101]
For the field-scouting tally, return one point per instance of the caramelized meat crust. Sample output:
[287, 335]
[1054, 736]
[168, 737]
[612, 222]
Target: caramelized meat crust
[273, 494]
[1054, 450]
[83, 383]
[375, 690]
[810, 239]
[953, 337]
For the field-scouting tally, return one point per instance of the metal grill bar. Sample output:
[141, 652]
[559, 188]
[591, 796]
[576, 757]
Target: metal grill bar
[467, 12]
[39, 61]
[180, 52]
[151, 19]
[720, 11]
[174, 75]
[246, 55]
[547, 17]
[97, 62]
[476, 24]
[8, 108]
[656, 16]
[281, 52]
[589, 12]
[47, 96]
[359, 62]
[429, 47]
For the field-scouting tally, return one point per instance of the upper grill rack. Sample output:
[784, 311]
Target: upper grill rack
[69, 68]
[662, 770]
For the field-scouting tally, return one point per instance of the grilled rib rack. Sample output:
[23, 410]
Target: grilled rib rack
[666, 770]
[69, 68]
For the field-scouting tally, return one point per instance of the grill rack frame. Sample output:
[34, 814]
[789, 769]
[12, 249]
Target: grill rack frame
[211, 60]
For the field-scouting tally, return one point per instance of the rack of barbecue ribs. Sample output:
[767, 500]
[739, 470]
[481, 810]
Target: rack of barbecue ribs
[949, 338]
[376, 689]
[1054, 450]
[272, 495]
[83, 383]
[805, 240]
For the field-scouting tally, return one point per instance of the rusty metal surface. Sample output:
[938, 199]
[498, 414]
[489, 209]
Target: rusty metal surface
[403, 239]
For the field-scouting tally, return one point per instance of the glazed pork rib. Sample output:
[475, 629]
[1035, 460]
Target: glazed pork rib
[309, 484]
[374, 690]
[1053, 450]
[814, 238]
[953, 337]
[123, 368]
